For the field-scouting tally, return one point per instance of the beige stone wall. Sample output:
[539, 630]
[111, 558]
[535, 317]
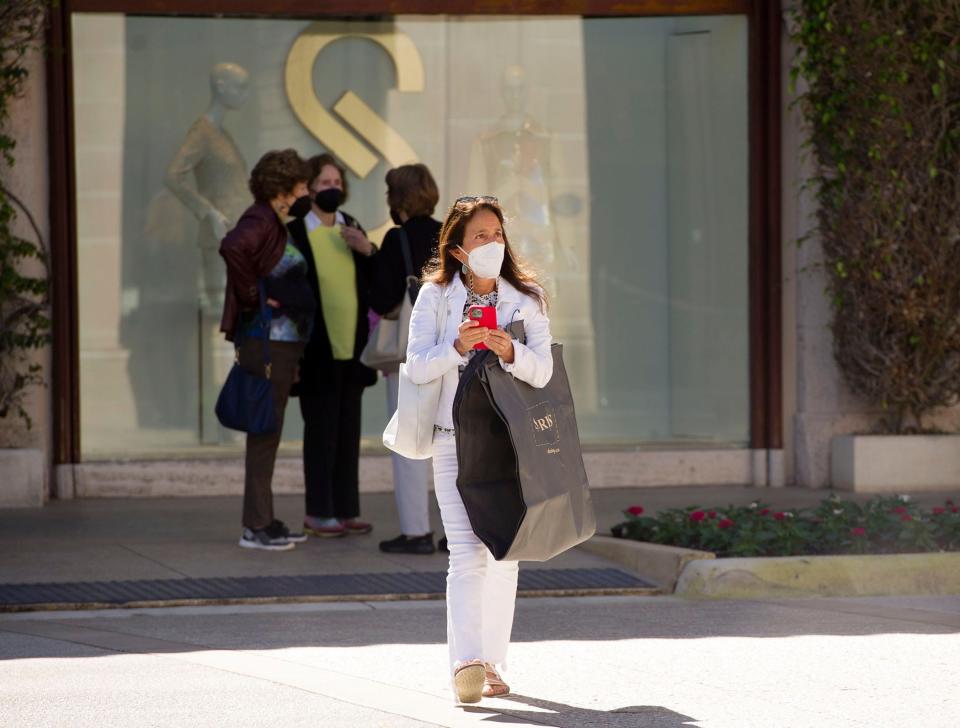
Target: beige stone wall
[28, 181]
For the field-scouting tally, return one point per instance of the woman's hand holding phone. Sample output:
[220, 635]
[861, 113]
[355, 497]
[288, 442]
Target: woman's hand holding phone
[501, 344]
[471, 334]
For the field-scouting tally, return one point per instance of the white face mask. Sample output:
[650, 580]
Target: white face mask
[487, 260]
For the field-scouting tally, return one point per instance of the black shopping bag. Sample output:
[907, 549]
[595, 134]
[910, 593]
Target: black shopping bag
[521, 474]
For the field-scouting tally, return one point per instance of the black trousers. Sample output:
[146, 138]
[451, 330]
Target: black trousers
[261, 452]
[331, 441]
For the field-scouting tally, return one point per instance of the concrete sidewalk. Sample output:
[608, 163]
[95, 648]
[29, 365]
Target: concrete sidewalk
[619, 662]
[124, 539]
[615, 662]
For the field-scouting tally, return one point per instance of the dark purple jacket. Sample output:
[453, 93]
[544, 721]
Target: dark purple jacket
[251, 250]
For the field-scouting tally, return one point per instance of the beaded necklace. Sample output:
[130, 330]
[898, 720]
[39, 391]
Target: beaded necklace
[478, 299]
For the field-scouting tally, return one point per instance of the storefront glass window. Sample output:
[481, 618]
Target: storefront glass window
[618, 147]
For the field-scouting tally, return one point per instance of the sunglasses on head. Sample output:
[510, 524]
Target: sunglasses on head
[477, 198]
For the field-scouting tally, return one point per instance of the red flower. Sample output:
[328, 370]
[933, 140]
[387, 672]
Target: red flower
[900, 509]
[635, 510]
[725, 523]
[906, 517]
[779, 515]
[765, 511]
[939, 510]
[858, 532]
[712, 514]
[954, 509]
[697, 516]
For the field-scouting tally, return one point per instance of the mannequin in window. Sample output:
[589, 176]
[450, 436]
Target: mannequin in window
[217, 194]
[209, 176]
[518, 162]
[522, 164]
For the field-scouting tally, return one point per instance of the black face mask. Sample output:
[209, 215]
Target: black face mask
[395, 216]
[329, 199]
[299, 208]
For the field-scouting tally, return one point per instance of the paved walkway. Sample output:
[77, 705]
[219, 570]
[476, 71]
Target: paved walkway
[637, 662]
[616, 662]
[125, 539]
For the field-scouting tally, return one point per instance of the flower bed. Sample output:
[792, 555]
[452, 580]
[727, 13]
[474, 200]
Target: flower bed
[883, 525]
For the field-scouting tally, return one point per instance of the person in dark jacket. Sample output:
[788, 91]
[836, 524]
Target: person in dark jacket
[412, 195]
[259, 249]
[332, 379]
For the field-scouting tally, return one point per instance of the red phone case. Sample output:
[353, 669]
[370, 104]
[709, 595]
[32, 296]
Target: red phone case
[486, 315]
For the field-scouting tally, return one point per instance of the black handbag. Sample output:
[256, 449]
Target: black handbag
[521, 473]
[246, 400]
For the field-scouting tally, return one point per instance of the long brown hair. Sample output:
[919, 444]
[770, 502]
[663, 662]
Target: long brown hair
[444, 268]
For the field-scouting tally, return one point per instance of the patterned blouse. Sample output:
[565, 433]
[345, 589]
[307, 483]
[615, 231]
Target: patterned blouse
[478, 299]
[286, 283]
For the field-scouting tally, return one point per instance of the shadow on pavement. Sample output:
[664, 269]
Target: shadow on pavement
[569, 716]
[602, 620]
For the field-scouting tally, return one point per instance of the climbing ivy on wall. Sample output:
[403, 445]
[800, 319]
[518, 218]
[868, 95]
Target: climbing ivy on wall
[24, 298]
[881, 98]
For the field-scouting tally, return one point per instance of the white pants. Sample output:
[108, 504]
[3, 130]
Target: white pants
[409, 478]
[481, 592]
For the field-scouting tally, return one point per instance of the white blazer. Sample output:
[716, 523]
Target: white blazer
[427, 359]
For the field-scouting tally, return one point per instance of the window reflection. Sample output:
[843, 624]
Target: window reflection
[617, 146]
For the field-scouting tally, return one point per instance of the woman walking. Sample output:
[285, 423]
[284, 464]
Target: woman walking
[475, 266]
[412, 196]
[261, 256]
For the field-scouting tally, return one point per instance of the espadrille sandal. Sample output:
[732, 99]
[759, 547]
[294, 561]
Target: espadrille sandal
[468, 679]
[493, 684]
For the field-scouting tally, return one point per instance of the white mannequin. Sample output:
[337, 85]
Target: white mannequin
[517, 161]
[514, 89]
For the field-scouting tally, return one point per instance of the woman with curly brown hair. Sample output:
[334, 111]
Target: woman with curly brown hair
[260, 254]
[475, 266]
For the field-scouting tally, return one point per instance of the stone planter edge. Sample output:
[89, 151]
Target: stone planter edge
[926, 574]
[657, 563]
[895, 463]
[22, 477]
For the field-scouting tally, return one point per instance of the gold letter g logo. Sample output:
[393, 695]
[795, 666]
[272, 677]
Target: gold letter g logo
[333, 135]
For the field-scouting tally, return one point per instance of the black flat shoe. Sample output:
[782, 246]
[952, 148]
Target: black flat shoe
[442, 545]
[405, 545]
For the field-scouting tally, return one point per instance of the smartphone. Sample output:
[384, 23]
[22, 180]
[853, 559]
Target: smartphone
[486, 315]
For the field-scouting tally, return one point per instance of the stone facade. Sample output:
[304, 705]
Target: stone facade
[817, 403]
[25, 467]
